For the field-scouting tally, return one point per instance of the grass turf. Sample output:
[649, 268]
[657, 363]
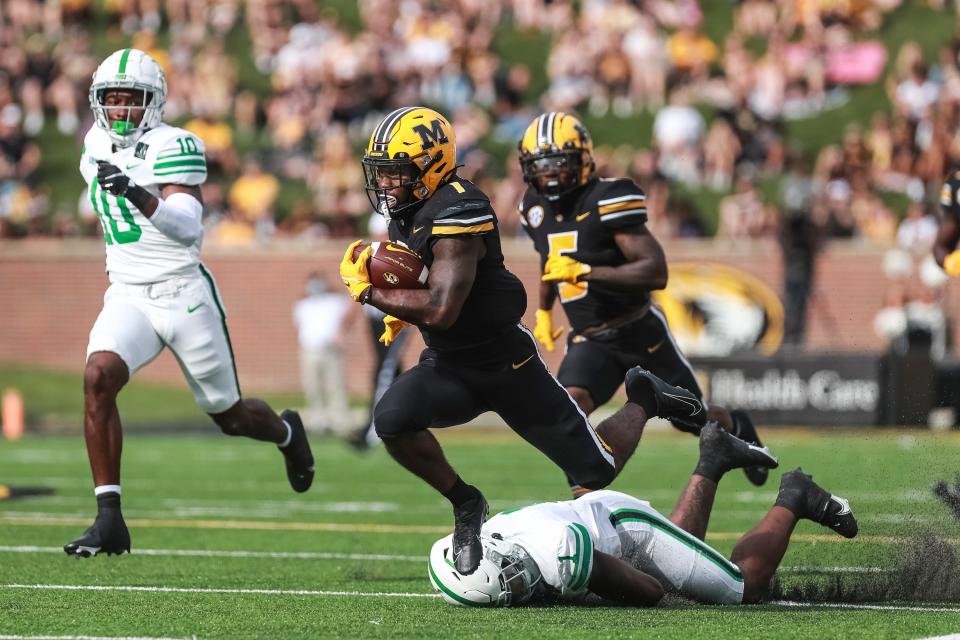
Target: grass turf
[216, 493]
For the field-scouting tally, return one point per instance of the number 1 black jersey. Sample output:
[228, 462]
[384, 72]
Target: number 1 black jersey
[497, 300]
[585, 232]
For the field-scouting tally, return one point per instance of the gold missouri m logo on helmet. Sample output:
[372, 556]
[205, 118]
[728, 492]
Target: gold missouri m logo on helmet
[432, 135]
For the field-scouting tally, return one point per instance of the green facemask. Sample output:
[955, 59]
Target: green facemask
[122, 127]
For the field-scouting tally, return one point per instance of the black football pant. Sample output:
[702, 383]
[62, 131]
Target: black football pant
[446, 389]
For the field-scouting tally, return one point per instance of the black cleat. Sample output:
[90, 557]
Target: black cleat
[673, 403]
[468, 519]
[807, 499]
[949, 494]
[297, 454]
[743, 428]
[108, 534]
[724, 451]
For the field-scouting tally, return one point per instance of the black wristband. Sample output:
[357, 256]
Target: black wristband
[138, 196]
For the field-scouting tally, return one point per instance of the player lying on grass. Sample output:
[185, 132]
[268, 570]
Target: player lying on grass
[621, 549]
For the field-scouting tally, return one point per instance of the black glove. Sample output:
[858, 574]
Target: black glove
[112, 180]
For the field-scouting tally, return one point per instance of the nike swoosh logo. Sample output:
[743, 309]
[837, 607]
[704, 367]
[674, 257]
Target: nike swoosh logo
[132, 166]
[415, 230]
[654, 348]
[192, 309]
[517, 365]
[583, 215]
[391, 247]
[844, 505]
[695, 406]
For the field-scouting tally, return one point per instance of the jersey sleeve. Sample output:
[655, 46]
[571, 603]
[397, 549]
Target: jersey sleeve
[622, 204]
[950, 196]
[179, 159]
[574, 560]
[463, 213]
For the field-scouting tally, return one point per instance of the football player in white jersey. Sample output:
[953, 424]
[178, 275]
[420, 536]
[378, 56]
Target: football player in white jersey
[621, 549]
[144, 182]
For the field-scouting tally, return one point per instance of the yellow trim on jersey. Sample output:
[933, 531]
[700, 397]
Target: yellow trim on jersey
[633, 203]
[603, 443]
[452, 231]
[458, 187]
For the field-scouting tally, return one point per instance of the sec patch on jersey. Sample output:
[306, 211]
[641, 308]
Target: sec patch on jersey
[393, 266]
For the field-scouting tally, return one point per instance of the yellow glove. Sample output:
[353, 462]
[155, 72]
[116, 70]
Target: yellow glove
[354, 272]
[391, 329]
[951, 264]
[564, 269]
[543, 331]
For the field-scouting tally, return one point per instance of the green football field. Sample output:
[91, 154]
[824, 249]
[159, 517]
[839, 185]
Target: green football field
[223, 548]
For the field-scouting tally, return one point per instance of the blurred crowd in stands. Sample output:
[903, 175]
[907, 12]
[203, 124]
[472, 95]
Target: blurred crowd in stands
[284, 155]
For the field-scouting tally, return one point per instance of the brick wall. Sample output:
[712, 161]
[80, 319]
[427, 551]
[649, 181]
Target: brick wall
[51, 292]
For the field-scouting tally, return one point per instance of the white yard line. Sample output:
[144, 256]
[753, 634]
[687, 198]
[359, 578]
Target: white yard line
[213, 553]
[871, 607]
[274, 592]
[11, 637]
[952, 636]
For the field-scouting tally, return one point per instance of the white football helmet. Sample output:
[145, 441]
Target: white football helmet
[506, 576]
[129, 69]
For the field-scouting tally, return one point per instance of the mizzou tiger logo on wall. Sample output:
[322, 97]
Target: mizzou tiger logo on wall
[716, 310]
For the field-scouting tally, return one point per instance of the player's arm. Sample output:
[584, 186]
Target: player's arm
[178, 214]
[614, 579]
[646, 266]
[451, 278]
[548, 295]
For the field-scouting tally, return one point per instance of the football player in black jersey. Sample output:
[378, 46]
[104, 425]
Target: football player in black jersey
[478, 356]
[945, 248]
[598, 257]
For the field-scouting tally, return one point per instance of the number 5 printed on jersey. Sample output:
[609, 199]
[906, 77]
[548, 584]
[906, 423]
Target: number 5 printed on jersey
[560, 244]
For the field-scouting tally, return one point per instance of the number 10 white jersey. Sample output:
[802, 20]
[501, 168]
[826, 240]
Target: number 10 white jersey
[137, 252]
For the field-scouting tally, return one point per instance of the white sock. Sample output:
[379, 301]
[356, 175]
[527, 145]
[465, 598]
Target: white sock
[106, 488]
[288, 439]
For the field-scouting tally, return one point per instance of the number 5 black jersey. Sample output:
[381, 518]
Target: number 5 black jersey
[584, 231]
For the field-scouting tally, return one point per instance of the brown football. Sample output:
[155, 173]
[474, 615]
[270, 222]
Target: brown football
[393, 266]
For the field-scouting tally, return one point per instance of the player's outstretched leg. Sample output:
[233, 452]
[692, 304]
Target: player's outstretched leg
[253, 418]
[743, 428]
[719, 452]
[759, 552]
[297, 454]
[675, 403]
[806, 499]
[108, 533]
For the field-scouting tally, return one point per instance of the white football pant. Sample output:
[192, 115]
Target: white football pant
[184, 314]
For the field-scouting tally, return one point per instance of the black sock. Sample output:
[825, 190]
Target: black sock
[461, 492]
[709, 469]
[793, 500]
[108, 500]
[648, 403]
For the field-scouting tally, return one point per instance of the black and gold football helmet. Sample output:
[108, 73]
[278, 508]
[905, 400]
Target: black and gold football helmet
[410, 154]
[556, 154]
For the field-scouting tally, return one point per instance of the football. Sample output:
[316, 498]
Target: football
[393, 266]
